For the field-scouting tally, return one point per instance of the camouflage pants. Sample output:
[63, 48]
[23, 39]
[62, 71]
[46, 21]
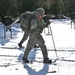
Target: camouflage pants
[36, 39]
[25, 36]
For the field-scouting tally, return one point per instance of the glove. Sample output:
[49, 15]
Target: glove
[23, 29]
[48, 22]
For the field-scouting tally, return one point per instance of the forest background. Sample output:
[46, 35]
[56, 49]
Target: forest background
[57, 8]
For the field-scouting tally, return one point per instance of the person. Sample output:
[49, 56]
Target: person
[36, 27]
[25, 28]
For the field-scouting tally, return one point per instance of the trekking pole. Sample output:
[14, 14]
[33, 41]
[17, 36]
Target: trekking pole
[48, 29]
[53, 42]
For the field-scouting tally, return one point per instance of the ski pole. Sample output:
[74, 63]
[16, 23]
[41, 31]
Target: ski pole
[53, 42]
[48, 29]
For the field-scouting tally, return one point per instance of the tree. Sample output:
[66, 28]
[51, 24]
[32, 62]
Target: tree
[26, 5]
[7, 7]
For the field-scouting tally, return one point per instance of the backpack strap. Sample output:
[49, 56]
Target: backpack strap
[32, 17]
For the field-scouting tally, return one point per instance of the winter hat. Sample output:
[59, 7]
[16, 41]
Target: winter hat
[40, 11]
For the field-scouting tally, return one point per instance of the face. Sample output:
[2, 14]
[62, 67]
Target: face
[40, 17]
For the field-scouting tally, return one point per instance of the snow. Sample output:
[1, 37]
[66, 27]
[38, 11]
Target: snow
[64, 40]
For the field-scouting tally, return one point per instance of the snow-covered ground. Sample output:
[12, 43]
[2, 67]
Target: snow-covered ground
[64, 39]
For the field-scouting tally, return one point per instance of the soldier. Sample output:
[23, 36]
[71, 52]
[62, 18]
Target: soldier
[36, 27]
[24, 20]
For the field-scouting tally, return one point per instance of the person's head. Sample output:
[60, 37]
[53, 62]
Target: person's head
[40, 12]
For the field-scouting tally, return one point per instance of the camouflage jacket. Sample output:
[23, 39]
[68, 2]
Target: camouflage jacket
[37, 26]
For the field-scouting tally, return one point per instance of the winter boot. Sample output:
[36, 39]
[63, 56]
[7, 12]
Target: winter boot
[20, 45]
[46, 60]
[25, 60]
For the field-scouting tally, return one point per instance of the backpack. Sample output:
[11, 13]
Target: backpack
[25, 19]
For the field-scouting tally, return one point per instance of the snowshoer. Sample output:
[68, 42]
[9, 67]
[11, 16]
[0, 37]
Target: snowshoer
[25, 19]
[36, 27]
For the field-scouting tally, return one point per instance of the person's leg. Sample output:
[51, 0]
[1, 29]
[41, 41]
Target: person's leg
[30, 45]
[41, 43]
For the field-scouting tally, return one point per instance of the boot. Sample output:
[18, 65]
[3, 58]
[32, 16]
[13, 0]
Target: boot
[20, 45]
[46, 60]
[25, 60]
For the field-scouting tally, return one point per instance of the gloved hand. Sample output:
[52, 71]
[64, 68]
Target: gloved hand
[48, 22]
[23, 29]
